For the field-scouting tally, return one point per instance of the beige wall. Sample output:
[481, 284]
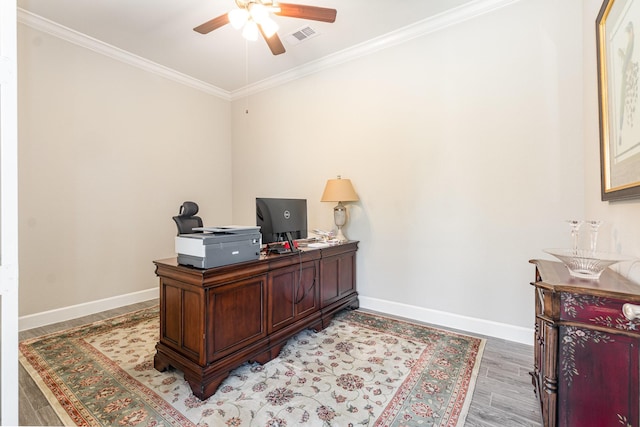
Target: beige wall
[107, 153]
[465, 147]
[469, 148]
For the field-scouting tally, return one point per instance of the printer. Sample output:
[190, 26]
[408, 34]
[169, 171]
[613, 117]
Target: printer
[217, 246]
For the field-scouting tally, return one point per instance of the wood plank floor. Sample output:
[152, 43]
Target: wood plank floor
[503, 395]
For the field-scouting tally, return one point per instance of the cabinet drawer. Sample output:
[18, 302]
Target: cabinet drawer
[597, 311]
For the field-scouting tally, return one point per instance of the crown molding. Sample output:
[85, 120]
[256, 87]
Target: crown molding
[427, 26]
[80, 39]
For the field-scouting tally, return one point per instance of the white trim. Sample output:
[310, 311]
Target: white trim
[72, 312]
[402, 35]
[80, 39]
[9, 381]
[421, 314]
[450, 320]
[426, 26]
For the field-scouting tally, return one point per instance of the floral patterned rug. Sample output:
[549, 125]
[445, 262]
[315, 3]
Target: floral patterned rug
[362, 370]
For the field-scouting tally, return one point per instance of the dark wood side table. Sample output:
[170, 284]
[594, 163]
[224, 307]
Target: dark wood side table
[586, 361]
[214, 320]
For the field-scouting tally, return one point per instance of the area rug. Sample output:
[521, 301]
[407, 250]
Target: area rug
[362, 370]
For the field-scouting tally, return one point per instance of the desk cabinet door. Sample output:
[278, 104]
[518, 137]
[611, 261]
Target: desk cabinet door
[337, 276]
[236, 316]
[598, 378]
[293, 294]
[181, 318]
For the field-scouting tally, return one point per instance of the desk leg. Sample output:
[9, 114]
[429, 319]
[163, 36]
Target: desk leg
[160, 364]
[202, 390]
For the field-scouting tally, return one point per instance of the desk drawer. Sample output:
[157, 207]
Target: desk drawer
[598, 311]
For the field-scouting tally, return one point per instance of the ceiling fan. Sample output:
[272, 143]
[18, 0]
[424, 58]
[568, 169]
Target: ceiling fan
[253, 17]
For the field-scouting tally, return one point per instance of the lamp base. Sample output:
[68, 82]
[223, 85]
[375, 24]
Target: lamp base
[340, 237]
[340, 218]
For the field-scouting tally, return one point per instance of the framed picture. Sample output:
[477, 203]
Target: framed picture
[618, 44]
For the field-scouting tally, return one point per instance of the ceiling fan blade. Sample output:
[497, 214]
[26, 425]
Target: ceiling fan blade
[306, 12]
[214, 24]
[274, 42]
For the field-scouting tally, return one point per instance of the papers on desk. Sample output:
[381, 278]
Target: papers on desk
[319, 245]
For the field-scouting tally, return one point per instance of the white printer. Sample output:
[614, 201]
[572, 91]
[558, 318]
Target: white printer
[217, 246]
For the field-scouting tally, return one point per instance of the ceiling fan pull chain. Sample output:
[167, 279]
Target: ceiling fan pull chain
[246, 76]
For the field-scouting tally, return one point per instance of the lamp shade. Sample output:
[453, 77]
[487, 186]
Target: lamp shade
[339, 190]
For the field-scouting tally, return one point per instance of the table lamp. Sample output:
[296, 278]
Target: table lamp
[339, 190]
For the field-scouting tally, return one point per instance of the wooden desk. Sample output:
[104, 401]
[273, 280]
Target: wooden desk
[586, 352]
[214, 320]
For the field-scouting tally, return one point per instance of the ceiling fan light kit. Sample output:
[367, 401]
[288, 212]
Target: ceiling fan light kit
[269, 27]
[238, 17]
[252, 16]
[258, 12]
[250, 31]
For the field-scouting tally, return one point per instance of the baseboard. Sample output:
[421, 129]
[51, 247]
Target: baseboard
[450, 320]
[421, 314]
[72, 312]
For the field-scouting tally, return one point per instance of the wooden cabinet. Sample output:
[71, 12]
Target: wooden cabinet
[213, 320]
[242, 301]
[586, 352]
[338, 272]
[338, 276]
[184, 310]
[292, 294]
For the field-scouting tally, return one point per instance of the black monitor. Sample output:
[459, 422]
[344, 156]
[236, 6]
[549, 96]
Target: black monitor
[281, 220]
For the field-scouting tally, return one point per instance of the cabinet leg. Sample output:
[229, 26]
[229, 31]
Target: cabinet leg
[262, 358]
[318, 326]
[160, 364]
[275, 349]
[204, 391]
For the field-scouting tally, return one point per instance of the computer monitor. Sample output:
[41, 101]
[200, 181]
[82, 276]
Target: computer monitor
[281, 220]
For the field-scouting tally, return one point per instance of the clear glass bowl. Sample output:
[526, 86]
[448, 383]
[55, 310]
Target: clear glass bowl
[586, 264]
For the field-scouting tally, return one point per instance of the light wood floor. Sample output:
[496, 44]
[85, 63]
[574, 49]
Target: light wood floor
[503, 396]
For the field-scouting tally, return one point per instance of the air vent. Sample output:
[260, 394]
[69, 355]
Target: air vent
[301, 34]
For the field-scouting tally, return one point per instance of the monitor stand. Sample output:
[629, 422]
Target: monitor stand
[289, 238]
